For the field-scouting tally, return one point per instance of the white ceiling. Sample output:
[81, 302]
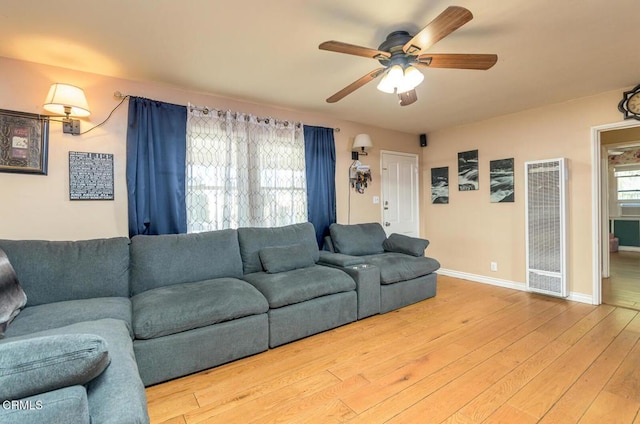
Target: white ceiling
[548, 51]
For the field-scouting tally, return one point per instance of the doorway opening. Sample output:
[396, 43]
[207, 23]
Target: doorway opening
[616, 214]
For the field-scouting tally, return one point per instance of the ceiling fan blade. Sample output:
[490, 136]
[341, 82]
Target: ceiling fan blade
[355, 85]
[408, 97]
[458, 61]
[339, 47]
[444, 24]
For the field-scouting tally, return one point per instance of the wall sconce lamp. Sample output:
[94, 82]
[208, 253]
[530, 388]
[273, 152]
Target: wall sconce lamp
[362, 142]
[68, 100]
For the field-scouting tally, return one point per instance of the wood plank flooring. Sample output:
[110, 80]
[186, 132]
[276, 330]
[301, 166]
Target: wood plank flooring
[622, 288]
[474, 353]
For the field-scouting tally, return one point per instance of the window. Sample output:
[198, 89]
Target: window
[628, 184]
[242, 172]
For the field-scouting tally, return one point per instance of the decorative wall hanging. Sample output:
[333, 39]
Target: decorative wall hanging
[501, 180]
[440, 185]
[468, 170]
[24, 139]
[90, 176]
[359, 176]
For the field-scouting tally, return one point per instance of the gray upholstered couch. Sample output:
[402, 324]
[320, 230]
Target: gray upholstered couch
[104, 318]
[191, 310]
[77, 303]
[304, 298]
[404, 274]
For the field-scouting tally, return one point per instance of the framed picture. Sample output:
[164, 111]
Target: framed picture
[501, 176]
[440, 185]
[90, 176]
[468, 170]
[24, 142]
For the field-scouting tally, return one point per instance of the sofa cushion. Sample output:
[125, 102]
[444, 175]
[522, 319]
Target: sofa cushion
[339, 259]
[61, 314]
[396, 267]
[253, 239]
[401, 243]
[181, 307]
[158, 261]
[42, 364]
[120, 383]
[298, 285]
[285, 258]
[12, 297]
[55, 271]
[357, 239]
[67, 405]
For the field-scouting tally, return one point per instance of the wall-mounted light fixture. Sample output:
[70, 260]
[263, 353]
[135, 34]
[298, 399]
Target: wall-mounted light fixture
[67, 100]
[361, 143]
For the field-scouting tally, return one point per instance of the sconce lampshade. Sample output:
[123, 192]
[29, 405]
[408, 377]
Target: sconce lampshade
[362, 142]
[66, 99]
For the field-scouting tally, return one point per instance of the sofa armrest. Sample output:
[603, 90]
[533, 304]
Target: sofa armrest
[367, 278]
[339, 259]
[42, 364]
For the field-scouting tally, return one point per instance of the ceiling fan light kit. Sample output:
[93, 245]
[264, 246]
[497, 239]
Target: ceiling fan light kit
[399, 80]
[401, 52]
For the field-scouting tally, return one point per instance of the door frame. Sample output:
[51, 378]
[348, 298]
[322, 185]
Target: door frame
[417, 192]
[599, 227]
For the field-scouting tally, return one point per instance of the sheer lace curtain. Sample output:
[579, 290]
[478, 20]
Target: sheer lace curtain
[243, 171]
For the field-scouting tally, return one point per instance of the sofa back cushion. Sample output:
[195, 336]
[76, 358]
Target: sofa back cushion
[55, 271]
[253, 239]
[358, 239]
[159, 261]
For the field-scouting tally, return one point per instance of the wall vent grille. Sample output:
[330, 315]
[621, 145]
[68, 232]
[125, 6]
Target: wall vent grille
[545, 198]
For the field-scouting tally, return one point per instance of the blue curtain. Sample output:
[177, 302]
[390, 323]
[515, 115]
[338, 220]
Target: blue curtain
[320, 161]
[156, 150]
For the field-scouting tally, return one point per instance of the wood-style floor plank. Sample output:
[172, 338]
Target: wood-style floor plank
[474, 353]
[622, 288]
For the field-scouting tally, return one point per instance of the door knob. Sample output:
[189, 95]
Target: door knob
[387, 224]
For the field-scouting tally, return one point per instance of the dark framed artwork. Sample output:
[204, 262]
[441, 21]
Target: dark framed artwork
[440, 185]
[501, 177]
[468, 170]
[24, 142]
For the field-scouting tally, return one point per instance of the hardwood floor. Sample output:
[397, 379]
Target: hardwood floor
[622, 288]
[474, 353]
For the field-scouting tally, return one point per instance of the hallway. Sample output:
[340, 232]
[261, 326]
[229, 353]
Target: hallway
[622, 288]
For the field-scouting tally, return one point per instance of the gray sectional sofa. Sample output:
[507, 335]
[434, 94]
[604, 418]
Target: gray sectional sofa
[105, 318]
[406, 275]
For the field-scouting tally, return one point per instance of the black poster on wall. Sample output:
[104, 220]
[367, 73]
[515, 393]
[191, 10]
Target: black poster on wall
[90, 176]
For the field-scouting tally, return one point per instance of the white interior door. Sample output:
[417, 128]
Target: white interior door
[400, 193]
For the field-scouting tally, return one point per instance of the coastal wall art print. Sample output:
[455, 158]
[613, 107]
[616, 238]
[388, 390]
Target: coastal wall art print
[501, 178]
[468, 170]
[440, 185]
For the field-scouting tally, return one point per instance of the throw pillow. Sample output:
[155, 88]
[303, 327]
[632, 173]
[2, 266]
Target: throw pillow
[276, 259]
[12, 297]
[41, 364]
[400, 243]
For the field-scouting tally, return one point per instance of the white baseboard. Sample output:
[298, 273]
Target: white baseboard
[575, 297]
[629, 248]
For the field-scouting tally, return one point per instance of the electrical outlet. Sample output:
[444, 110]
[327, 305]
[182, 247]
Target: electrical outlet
[494, 266]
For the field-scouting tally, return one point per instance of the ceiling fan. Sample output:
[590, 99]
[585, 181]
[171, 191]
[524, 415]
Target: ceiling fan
[401, 51]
